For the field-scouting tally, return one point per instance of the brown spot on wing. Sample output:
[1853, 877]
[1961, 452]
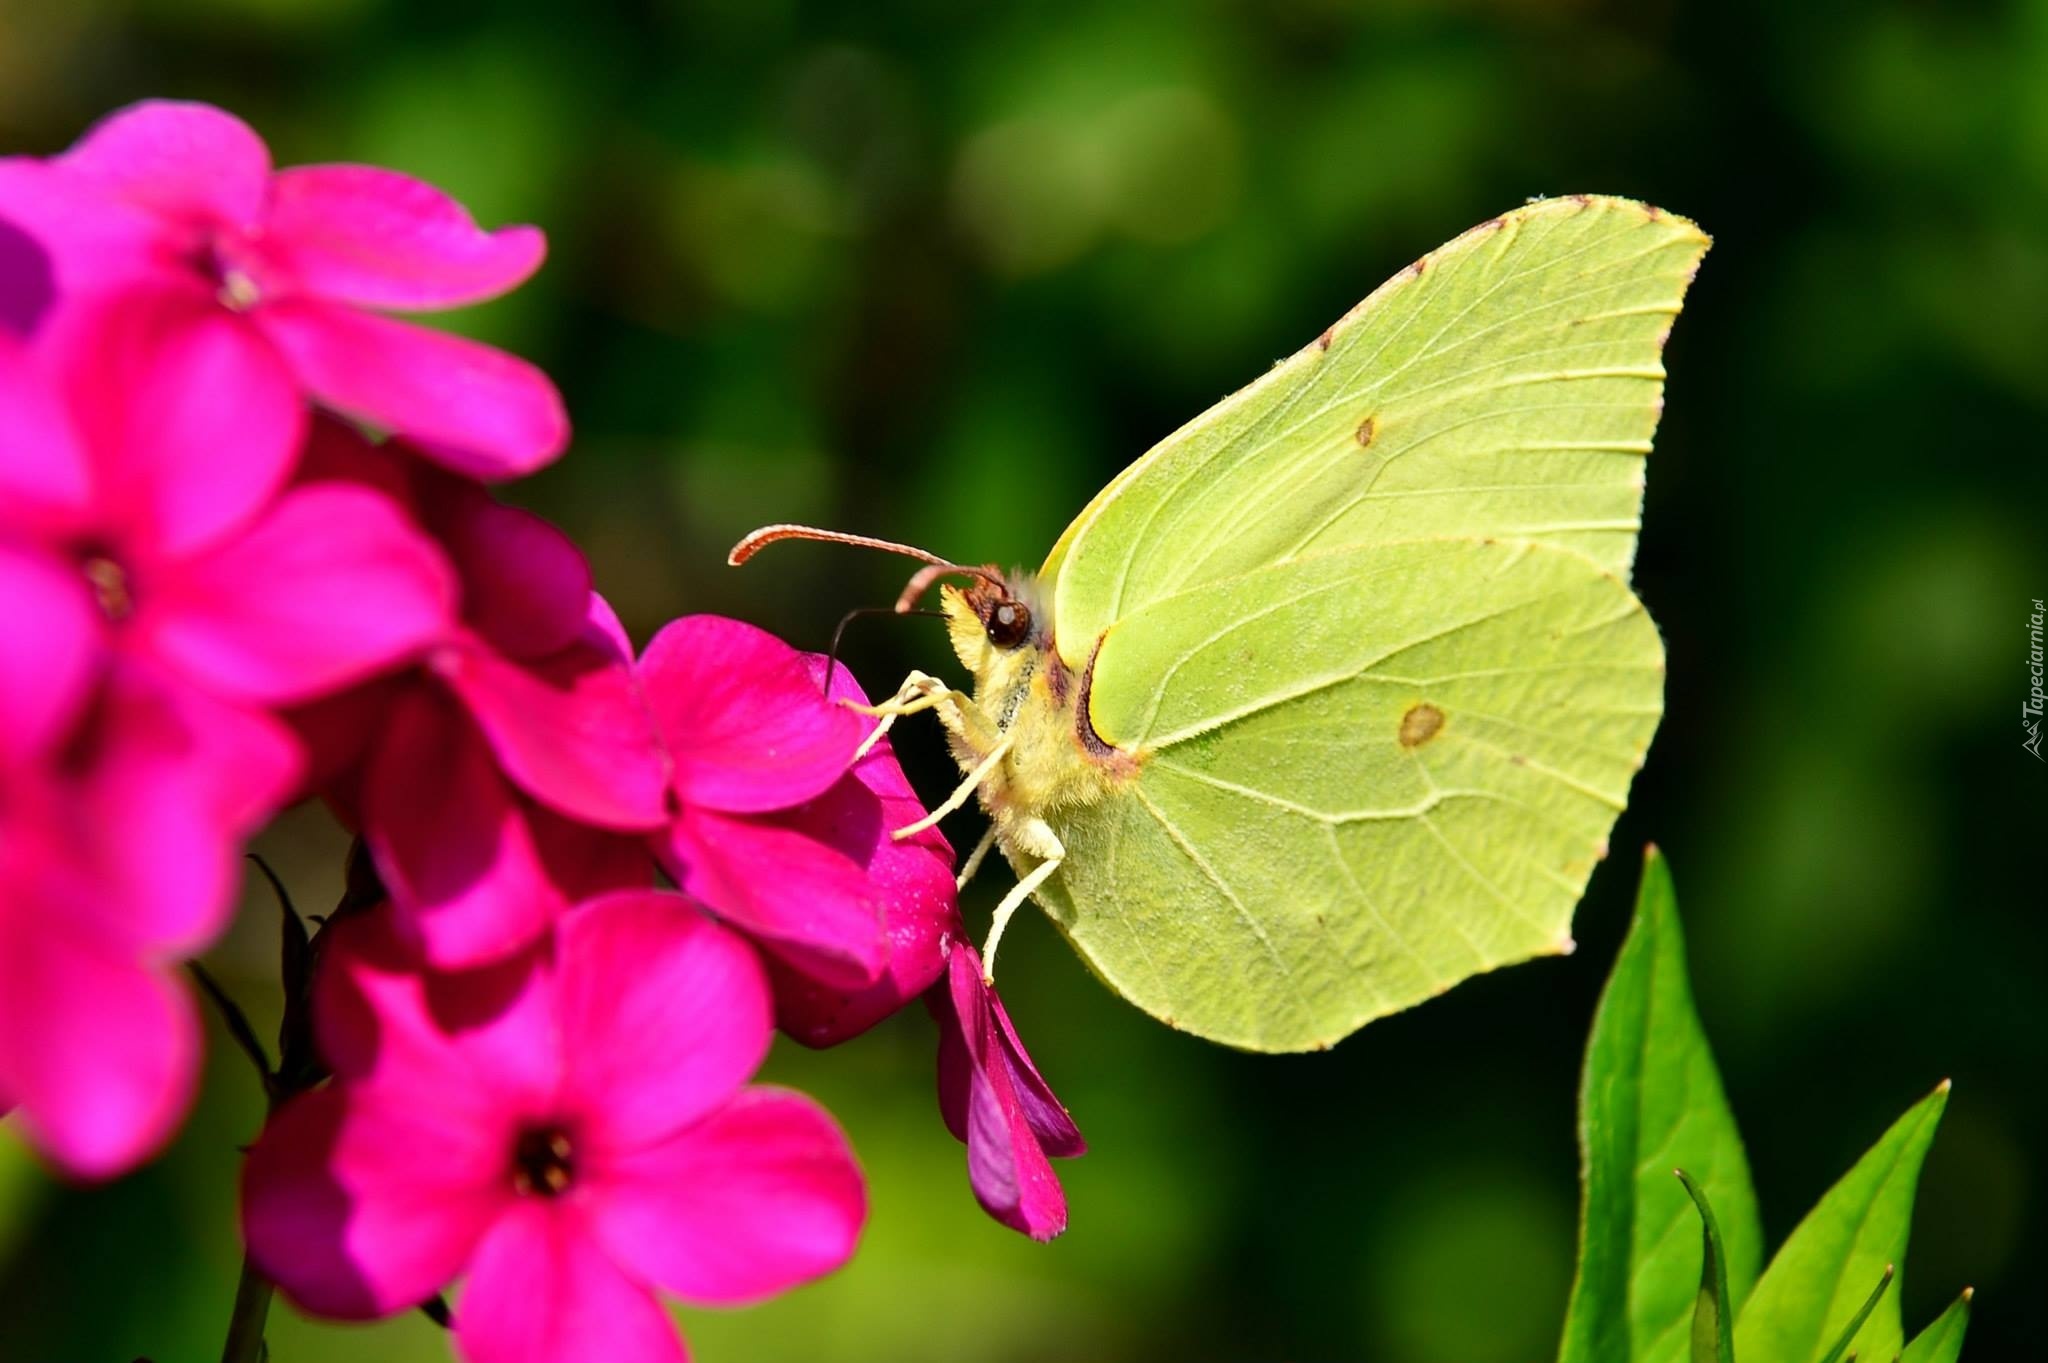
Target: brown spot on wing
[1422, 723]
[1323, 341]
[1367, 429]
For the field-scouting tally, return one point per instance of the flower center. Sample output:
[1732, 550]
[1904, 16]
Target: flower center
[542, 1161]
[220, 260]
[109, 583]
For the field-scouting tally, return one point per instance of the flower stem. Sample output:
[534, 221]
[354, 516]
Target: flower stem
[245, 1327]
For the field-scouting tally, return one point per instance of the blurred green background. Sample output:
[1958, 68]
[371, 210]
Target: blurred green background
[934, 271]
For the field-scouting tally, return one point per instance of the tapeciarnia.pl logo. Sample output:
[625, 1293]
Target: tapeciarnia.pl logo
[2030, 713]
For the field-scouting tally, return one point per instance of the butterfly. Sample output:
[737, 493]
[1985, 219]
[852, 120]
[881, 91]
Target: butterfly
[1330, 700]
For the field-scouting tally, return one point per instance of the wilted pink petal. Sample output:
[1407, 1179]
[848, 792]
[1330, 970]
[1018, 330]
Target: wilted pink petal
[760, 1196]
[800, 899]
[361, 1209]
[911, 880]
[189, 162]
[994, 1100]
[571, 728]
[99, 1051]
[484, 1042]
[188, 418]
[380, 239]
[742, 717]
[50, 649]
[452, 839]
[541, 1290]
[650, 986]
[525, 584]
[478, 411]
[331, 585]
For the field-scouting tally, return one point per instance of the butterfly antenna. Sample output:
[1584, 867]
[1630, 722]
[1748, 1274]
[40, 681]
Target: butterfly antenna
[934, 569]
[839, 632]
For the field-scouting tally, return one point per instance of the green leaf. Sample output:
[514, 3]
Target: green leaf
[1815, 1283]
[1942, 1342]
[1713, 1315]
[1834, 1355]
[1651, 1099]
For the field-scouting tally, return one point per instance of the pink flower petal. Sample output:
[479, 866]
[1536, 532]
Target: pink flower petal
[760, 1196]
[525, 584]
[330, 586]
[478, 411]
[338, 733]
[800, 899]
[93, 241]
[188, 418]
[452, 840]
[994, 1100]
[188, 162]
[744, 722]
[572, 729]
[337, 452]
[100, 1051]
[912, 880]
[476, 1044]
[374, 237]
[664, 1015]
[50, 651]
[359, 1206]
[163, 783]
[46, 483]
[541, 1290]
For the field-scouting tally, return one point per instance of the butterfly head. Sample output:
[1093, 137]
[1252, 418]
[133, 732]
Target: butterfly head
[993, 618]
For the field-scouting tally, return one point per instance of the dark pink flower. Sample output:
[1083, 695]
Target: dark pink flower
[145, 453]
[569, 1129]
[494, 779]
[120, 838]
[995, 1101]
[302, 261]
[750, 737]
[911, 880]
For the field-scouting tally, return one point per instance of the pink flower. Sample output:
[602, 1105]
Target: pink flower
[750, 737]
[184, 194]
[122, 804]
[569, 1129]
[911, 880]
[492, 777]
[144, 455]
[994, 1100]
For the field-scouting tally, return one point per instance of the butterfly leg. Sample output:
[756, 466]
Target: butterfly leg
[1036, 838]
[962, 793]
[974, 859]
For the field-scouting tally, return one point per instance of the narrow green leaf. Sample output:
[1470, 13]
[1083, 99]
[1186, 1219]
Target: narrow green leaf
[1834, 1355]
[1942, 1342]
[1651, 1098]
[1713, 1315]
[1816, 1281]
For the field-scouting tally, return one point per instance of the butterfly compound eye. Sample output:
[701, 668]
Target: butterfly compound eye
[1008, 624]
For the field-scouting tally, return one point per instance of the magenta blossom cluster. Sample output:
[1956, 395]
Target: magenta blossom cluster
[250, 557]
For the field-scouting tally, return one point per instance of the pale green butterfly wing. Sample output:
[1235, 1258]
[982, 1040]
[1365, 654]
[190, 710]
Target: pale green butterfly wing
[1364, 775]
[1507, 384]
